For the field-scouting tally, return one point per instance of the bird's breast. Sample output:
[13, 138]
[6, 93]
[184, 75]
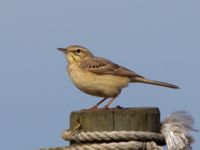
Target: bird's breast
[94, 84]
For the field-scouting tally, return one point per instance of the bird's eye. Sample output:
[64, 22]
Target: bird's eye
[78, 50]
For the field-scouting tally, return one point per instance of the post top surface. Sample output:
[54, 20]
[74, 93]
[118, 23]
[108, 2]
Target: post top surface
[120, 109]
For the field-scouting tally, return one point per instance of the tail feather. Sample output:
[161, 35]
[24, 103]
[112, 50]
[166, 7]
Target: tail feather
[147, 81]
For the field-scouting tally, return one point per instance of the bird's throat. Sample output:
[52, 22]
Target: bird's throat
[71, 58]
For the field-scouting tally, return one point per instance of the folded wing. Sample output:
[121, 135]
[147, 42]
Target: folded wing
[103, 66]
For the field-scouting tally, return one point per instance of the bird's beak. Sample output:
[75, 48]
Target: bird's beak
[64, 50]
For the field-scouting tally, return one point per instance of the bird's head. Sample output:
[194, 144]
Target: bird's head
[75, 53]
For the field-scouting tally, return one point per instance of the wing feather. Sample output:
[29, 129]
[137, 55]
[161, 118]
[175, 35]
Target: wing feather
[103, 66]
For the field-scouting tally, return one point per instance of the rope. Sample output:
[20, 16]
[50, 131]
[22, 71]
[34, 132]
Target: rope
[132, 145]
[175, 131]
[112, 140]
[114, 136]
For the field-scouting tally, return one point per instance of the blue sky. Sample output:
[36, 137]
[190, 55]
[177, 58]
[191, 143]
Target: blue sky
[157, 39]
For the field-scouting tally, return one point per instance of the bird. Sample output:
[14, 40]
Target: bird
[101, 77]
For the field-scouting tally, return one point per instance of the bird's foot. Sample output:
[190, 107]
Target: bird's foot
[94, 108]
[104, 107]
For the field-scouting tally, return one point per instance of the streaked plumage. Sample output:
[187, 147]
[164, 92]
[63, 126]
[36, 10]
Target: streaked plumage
[100, 77]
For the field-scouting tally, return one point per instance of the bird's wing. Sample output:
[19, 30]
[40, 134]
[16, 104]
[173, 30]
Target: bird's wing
[103, 66]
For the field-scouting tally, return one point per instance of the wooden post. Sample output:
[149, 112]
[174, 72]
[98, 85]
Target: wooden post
[129, 119]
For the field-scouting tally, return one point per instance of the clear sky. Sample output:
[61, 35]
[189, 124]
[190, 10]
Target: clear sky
[157, 39]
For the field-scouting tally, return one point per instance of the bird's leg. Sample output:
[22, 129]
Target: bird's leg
[107, 105]
[95, 107]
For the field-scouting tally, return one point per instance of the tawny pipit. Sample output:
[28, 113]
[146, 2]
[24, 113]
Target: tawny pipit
[100, 77]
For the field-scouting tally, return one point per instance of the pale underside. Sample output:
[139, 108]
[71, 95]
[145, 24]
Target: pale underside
[100, 77]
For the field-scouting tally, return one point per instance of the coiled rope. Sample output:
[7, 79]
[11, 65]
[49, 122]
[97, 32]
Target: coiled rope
[174, 132]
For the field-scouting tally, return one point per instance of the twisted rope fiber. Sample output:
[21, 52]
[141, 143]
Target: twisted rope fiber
[114, 136]
[132, 145]
[175, 131]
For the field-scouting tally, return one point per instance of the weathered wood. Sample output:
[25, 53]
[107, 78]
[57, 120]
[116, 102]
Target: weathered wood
[129, 119]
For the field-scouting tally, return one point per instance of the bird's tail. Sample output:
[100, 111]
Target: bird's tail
[144, 80]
